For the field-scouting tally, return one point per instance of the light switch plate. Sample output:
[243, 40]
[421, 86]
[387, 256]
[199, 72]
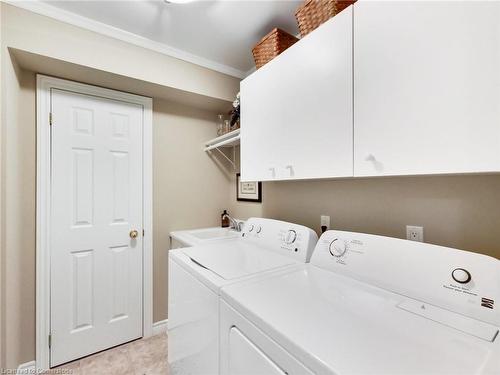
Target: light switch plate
[325, 221]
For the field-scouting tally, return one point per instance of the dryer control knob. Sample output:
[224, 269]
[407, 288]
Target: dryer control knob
[461, 275]
[337, 248]
[250, 228]
[290, 237]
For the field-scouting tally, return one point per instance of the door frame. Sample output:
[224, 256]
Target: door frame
[43, 193]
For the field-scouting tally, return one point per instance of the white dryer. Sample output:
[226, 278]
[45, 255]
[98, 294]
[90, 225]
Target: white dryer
[196, 275]
[367, 305]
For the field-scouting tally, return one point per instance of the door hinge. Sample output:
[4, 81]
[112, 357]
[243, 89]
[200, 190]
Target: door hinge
[143, 233]
[50, 340]
[50, 118]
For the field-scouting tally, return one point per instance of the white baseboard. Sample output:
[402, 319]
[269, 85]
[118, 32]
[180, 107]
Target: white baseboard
[160, 327]
[27, 368]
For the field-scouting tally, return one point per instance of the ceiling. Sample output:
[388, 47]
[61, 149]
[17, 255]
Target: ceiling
[222, 31]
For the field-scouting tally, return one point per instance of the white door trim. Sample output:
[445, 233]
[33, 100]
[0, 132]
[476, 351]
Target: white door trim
[43, 193]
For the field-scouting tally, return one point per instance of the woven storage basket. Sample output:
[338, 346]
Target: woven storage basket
[271, 46]
[313, 13]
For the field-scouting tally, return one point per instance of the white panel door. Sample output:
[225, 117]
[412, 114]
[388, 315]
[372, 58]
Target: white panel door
[426, 87]
[96, 267]
[296, 111]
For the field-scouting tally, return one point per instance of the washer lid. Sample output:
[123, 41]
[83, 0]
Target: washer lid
[236, 259]
[335, 324]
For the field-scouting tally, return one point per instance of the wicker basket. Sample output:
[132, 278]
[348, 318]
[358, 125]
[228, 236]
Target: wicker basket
[271, 46]
[313, 13]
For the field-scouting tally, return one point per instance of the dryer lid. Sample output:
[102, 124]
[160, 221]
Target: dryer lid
[335, 324]
[464, 282]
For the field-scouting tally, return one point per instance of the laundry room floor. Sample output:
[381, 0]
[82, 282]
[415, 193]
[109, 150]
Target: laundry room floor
[140, 357]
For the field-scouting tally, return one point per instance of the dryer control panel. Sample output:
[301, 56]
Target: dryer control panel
[464, 282]
[289, 239]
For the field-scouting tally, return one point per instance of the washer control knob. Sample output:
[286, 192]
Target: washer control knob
[461, 275]
[250, 227]
[290, 237]
[259, 229]
[338, 248]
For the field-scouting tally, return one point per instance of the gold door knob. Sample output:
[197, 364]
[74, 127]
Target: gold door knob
[133, 234]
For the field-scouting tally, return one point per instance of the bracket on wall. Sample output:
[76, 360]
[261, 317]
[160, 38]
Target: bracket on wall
[231, 139]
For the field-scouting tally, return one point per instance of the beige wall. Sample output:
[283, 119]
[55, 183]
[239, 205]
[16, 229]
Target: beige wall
[456, 211]
[242, 210]
[41, 35]
[190, 189]
[18, 188]
[45, 36]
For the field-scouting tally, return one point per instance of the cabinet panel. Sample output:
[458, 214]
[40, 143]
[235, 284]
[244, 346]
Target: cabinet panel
[426, 87]
[296, 111]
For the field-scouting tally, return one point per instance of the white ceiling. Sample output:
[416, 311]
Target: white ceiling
[222, 31]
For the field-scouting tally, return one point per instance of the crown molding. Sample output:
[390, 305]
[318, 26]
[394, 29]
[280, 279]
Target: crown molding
[48, 10]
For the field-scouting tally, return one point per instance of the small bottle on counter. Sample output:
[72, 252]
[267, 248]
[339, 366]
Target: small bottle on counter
[224, 219]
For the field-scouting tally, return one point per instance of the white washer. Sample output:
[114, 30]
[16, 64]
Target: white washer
[196, 275]
[367, 305]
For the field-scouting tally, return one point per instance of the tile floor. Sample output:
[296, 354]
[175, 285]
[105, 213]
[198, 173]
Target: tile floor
[141, 357]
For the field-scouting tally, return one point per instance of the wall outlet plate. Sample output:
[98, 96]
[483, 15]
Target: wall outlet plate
[414, 233]
[325, 221]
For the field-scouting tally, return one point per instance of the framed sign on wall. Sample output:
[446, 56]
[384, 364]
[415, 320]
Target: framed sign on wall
[248, 191]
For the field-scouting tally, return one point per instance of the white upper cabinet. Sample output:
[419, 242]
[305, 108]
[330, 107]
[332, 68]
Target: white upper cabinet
[296, 111]
[426, 87]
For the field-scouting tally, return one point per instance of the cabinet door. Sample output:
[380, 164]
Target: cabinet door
[296, 111]
[426, 87]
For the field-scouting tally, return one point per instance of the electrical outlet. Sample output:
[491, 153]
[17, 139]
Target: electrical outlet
[325, 221]
[414, 233]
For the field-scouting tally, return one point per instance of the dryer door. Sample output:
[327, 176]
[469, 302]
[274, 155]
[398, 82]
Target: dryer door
[246, 350]
[245, 358]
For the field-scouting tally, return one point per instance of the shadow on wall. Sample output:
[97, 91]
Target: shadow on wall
[190, 188]
[18, 216]
[456, 211]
